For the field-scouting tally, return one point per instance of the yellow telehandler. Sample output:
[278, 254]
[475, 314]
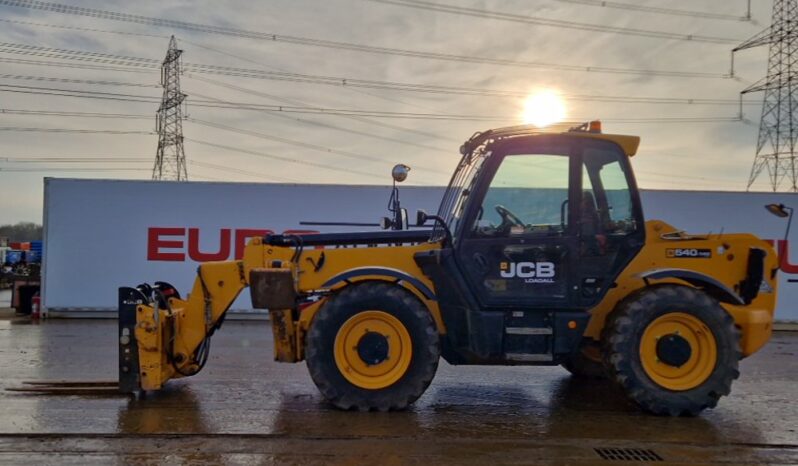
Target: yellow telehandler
[538, 255]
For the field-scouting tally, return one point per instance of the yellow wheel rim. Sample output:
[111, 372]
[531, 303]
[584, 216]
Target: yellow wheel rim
[703, 351]
[386, 328]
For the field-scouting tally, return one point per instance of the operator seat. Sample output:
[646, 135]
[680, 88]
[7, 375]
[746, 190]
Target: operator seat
[593, 239]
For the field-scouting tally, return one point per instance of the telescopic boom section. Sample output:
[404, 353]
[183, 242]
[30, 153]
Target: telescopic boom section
[162, 336]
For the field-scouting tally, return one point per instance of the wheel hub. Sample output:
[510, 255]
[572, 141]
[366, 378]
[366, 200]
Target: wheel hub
[674, 350]
[678, 351]
[373, 348]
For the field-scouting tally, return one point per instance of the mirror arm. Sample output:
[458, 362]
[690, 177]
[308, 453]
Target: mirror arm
[789, 223]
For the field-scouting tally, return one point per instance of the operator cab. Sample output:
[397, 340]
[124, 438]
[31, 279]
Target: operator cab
[537, 225]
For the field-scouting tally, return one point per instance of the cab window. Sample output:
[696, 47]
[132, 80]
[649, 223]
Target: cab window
[606, 200]
[528, 195]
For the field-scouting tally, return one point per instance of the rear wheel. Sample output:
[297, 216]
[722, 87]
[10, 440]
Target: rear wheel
[373, 346]
[673, 349]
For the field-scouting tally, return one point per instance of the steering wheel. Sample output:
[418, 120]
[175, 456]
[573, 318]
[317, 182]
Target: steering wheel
[508, 217]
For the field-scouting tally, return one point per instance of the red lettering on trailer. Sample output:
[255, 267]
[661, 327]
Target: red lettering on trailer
[196, 255]
[155, 244]
[784, 258]
[784, 255]
[228, 242]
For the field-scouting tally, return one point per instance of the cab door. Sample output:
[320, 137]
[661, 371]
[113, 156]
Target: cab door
[611, 227]
[518, 242]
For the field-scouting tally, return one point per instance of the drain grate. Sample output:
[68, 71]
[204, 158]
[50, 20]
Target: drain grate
[627, 454]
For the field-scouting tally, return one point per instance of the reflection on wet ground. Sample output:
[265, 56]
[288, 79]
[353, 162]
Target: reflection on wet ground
[246, 409]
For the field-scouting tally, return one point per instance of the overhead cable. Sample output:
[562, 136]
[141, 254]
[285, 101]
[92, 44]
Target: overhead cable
[629, 6]
[284, 159]
[337, 81]
[565, 24]
[12, 111]
[335, 111]
[70, 130]
[297, 40]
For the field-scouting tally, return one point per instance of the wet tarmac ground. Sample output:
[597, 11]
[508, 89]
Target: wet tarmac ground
[246, 409]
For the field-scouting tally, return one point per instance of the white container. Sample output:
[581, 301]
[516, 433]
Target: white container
[102, 234]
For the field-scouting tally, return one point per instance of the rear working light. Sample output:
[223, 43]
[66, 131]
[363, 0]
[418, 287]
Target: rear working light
[588, 127]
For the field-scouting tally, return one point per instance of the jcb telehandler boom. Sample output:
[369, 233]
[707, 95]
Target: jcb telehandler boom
[538, 255]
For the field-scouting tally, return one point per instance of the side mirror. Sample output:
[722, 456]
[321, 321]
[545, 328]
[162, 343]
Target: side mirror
[386, 223]
[405, 222]
[421, 217]
[779, 210]
[399, 172]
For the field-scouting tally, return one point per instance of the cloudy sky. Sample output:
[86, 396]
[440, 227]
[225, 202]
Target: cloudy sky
[264, 146]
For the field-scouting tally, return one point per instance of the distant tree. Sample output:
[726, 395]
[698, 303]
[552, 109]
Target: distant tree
[22, 231]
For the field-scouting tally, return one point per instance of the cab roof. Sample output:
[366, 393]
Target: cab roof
[591, 129]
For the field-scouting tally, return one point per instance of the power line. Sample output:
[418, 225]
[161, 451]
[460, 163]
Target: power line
[248, 60]
[79, 28]
[671, 120]
[81, 66]
[283, 159]
[221, 104]
[292, 142]
[376, 123]
[296, 40]
[297, 102]
[10, 111]
[49, 159]
[660, 10]
[93, 82]
[58, 64]
[242, 172]
[109, 159]
[317, 123]
[80, 169]
[122, 60]
[77, 93]
[349, 112]
[248, 106]
[68, 130]
[537, 21]
[346, 82]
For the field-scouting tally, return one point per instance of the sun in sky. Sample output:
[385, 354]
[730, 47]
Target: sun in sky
[543, 108]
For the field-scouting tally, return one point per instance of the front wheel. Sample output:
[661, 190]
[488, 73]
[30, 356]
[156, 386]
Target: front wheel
[373, 346]
[673, 349]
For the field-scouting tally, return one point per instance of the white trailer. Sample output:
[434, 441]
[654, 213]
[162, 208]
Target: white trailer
[102, 234]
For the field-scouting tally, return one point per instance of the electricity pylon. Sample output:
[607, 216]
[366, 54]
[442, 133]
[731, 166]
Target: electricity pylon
[170, 158]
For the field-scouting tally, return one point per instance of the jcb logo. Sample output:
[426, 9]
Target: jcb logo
[532, 272]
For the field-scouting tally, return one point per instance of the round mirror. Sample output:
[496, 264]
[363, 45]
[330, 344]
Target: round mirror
[399, 172]
[779, 210]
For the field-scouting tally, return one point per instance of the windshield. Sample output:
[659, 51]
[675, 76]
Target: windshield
[460, 186]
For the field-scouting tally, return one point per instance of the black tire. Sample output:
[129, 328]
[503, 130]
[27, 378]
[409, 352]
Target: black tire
[391, 299]
[585, 365]
[624, 331]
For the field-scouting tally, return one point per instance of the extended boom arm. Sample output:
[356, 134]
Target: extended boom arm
[162, 336]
